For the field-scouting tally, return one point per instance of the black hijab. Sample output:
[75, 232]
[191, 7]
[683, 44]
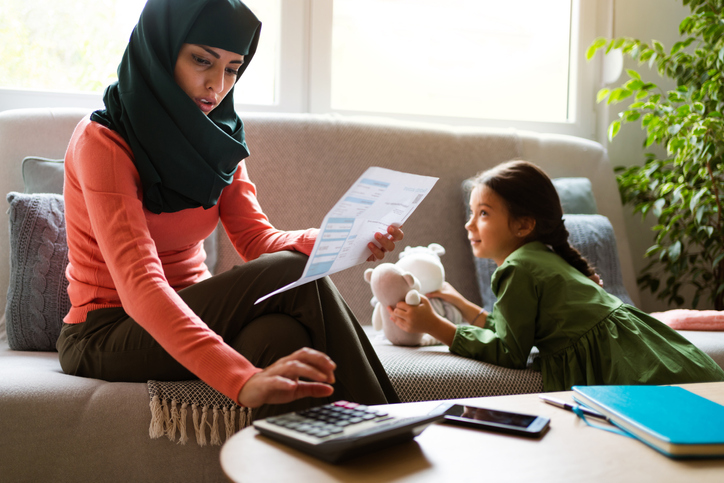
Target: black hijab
[184, 158]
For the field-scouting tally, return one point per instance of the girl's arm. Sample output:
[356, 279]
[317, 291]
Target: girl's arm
[512, 323]
[471, 312]
[422, 318]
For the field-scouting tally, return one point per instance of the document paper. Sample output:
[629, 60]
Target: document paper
[378, 199]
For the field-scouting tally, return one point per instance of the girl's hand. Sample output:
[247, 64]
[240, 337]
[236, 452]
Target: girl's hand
[422, 319]
[413, 318]
[448, 294]
[468, 309]
[386, 242]
[280, 382]
[597, 279]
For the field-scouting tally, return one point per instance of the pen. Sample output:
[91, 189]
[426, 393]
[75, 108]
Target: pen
[569, 407]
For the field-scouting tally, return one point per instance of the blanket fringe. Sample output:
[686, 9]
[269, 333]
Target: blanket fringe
[156, 428]
[215, 439]
[184, 437]
[175, 417]
[167, 419]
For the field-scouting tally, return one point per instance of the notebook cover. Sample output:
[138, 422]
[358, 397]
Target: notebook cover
[669, 413]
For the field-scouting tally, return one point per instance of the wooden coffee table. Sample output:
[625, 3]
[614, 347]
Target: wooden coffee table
[570, 451]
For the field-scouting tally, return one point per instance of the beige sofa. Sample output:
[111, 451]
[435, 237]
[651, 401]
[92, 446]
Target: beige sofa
[56, 427]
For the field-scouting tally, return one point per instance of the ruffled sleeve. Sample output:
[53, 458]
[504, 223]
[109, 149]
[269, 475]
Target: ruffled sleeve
[508, 336]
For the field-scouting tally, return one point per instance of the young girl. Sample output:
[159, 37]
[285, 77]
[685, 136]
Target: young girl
[548, 297]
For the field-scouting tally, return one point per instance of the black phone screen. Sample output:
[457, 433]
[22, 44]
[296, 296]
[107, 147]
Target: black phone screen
[491, 416]
[495, 420]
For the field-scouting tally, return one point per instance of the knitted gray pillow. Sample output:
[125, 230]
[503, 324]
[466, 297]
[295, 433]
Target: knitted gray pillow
[37, 298]
[592, 235]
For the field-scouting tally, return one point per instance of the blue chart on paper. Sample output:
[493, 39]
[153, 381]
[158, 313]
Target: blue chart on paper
[378, 199]
[338, 230]
[335, 233]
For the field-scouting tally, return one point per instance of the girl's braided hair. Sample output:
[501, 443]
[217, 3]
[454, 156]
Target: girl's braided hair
[528, 192]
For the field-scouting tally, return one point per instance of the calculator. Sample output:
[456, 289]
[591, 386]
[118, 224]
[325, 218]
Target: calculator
[343, 429]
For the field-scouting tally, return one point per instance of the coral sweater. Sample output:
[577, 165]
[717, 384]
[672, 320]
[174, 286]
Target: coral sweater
[121, 254]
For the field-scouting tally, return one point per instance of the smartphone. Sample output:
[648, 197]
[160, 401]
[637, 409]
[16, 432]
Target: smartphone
[495, 420]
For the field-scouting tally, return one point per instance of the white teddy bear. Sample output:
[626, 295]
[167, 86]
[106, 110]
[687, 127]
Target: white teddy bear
[418, 271]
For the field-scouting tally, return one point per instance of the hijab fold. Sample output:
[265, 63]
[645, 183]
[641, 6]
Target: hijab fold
[184, 158]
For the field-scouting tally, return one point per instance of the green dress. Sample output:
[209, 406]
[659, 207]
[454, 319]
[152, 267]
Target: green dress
[585, 335]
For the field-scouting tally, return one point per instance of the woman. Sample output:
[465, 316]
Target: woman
[147, 179]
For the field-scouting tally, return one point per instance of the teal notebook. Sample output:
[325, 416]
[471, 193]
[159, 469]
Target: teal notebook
[671, 419]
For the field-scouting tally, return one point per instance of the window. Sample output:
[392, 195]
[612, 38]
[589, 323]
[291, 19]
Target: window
[75, 46]
[67, 46]
[513, 63]
[461, 58]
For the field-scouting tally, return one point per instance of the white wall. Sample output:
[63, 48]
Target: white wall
[646, 20]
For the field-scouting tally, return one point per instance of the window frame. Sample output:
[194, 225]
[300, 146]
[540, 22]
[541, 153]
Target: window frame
[304, 73]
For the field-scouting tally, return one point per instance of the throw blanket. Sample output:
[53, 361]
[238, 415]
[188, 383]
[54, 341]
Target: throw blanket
[684, 319]
[169, 409]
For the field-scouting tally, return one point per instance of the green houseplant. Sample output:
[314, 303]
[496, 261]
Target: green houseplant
[685, 190]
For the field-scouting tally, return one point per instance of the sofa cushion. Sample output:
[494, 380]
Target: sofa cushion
[592, 235]
[37, 296]
[43, 175]
[576, 195]
[433, 373]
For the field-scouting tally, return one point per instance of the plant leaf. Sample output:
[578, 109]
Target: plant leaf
[602, 94]
[597, 44]
[613, 129]
[635, 75]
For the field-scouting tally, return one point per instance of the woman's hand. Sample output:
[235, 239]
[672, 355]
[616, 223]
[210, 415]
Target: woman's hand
[280, 382]
[422, 319]
[386, 242]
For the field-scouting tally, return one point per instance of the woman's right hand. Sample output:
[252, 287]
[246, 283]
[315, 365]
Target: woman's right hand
[280, 382]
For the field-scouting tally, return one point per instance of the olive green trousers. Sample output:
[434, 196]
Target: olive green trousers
[111, 346]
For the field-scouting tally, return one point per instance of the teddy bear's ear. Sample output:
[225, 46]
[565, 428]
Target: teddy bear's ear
[368, 274]
[409, 279]
[437, 249]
